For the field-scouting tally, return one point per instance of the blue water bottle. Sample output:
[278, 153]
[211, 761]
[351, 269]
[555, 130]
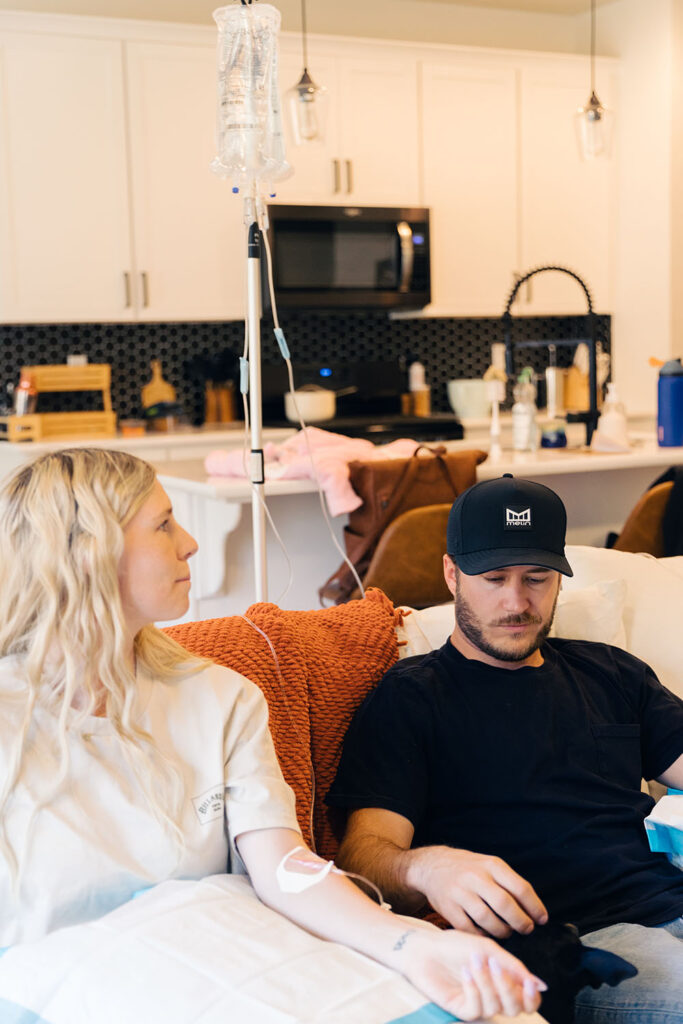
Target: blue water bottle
[670, 405]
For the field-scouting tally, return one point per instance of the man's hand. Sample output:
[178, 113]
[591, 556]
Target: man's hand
[474, 892]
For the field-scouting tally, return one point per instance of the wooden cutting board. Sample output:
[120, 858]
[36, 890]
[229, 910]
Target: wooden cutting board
[158, 389]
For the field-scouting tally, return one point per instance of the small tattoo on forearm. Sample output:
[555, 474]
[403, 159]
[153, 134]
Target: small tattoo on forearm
[402, 939]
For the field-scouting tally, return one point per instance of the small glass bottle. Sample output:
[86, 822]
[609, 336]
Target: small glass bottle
[524, 427]
[613, 423]
[25, 397]
[419, 389]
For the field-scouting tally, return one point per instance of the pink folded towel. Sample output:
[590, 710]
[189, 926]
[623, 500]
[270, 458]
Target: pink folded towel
[332, 453]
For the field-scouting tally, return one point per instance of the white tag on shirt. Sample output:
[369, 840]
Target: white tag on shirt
[210, 805]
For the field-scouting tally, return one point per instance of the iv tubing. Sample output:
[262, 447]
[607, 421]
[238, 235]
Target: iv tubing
[276, 322]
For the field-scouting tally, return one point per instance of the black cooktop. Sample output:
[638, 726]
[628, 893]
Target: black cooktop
[437, 427]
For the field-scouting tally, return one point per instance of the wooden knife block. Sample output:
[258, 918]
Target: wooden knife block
[43, 426]
[219, 403]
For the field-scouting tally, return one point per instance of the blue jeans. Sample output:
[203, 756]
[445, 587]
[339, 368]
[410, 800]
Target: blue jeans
[655, 995]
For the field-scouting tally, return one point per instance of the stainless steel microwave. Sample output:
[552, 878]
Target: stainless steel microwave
[350, 257]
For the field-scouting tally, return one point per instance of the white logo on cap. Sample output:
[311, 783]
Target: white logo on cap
[513, 518]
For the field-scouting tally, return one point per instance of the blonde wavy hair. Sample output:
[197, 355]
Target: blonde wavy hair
[62, 519]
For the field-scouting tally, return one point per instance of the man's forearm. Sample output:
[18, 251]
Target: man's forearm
[474, 892]
[396, 872]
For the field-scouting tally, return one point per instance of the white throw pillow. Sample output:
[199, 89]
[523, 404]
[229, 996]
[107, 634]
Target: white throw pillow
[425, 629]
[592, 613]
[673, 564]
[653, 606]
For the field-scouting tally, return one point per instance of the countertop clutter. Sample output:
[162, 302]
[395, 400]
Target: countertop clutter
[27, 424]
[185, 444]
[645, 454]
[599, 490]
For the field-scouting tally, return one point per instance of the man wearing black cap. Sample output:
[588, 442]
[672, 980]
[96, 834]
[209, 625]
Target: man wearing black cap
[497, 779]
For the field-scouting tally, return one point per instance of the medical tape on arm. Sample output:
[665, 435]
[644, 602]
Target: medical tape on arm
[297, 881]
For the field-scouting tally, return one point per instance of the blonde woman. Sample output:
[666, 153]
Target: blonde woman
[125, 761]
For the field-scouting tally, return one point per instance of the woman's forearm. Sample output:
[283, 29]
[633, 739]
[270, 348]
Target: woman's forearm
[468, 975]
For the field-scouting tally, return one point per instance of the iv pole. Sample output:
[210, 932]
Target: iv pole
[256, 459]
[250, 151]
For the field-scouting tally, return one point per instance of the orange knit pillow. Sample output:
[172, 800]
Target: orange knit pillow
[329, 659]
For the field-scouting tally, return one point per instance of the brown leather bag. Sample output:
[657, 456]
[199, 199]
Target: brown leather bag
[389, 487]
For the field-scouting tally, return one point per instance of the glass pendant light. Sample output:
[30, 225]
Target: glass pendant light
[306, 101]
[593, 121]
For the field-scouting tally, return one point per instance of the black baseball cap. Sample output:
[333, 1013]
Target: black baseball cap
[507, 521]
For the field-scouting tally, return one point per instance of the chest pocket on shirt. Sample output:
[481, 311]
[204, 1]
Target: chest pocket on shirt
[619, 758]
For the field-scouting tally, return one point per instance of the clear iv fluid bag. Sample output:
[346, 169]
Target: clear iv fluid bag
[249, 140]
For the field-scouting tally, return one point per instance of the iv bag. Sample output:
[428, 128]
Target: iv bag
[249, 140]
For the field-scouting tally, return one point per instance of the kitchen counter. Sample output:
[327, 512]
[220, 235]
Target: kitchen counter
[182, 444]
[645, 454]
[598, 490]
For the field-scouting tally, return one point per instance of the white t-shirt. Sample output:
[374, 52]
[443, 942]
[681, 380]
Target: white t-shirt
[96, 842]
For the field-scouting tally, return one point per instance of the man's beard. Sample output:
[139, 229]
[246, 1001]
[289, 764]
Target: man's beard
[471, 628]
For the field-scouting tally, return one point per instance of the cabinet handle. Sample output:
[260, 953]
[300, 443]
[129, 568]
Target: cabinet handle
[349, 176]
[145, 288]
[337, 176]
[126, 289]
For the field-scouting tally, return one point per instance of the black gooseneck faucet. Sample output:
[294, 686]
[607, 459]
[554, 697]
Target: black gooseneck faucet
[589, 416]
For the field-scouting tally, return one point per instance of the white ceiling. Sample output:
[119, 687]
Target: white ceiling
[177, 8]
[544, 25]
[538, 6]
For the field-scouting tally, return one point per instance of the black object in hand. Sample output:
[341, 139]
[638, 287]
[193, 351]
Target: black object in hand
[555, 953]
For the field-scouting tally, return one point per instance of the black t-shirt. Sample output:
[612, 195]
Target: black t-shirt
[540, 766]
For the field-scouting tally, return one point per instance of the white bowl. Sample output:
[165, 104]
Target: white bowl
[469, 398]
[313, 404]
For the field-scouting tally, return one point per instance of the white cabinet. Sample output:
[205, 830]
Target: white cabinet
[190, 242]
[567, 205]
[507, 188]
[370, 154]
[65, 247]
[470, 145]
[108, 217]
[108, 209]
